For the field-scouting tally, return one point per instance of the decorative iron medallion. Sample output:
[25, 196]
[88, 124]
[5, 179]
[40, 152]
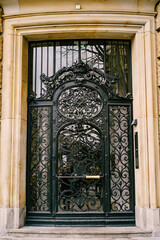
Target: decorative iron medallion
[79, 102]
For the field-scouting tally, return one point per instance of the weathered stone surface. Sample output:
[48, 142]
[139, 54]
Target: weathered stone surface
[112, 238]
[90, 25]
[22, 6]
[11, 218]
[78, 233]
[158, 45]
[1, 47]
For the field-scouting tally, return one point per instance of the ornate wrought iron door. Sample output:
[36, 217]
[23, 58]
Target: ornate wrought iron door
[80, 168]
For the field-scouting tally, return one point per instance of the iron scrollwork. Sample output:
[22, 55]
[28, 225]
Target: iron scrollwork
[80, 154]
[85, 127]
[79, 102]
[40, 155]
[79, 73]
[119, 158]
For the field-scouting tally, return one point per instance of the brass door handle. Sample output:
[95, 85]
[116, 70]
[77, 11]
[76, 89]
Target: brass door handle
[93, 177]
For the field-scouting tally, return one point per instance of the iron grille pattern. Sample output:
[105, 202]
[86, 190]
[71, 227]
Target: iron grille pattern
[79, 125]
[40, 159]
[80, 195]
[79, 102]
[110, 56]
[120, 158]
[80, 154]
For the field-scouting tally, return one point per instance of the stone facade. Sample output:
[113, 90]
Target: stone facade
[26, 21]
[158, 57]
[1, 56]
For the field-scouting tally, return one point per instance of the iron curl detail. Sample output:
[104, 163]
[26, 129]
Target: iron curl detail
[40, 135]
[79, 102]
[80, 154]
[119, 158]
[79, 73]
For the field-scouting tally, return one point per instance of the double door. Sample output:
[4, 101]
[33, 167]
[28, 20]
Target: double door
[80, 156]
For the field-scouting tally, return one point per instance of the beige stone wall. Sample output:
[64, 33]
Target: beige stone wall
[142, 31]
[1, 56]
[128, 22]
[158, 65]
[158, 58]
[13, 7]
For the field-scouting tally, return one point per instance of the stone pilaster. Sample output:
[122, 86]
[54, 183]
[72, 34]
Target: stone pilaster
[158, 77]
[1, 57]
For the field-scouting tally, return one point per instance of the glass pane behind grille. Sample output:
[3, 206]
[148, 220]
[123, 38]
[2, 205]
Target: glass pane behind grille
[110, 56]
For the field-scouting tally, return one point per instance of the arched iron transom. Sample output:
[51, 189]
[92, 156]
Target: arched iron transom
[80, 166]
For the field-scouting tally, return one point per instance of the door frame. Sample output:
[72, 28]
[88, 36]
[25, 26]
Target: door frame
[18, 31]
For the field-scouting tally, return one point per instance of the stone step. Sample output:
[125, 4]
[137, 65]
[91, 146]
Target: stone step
[72, 238]
[78, 233]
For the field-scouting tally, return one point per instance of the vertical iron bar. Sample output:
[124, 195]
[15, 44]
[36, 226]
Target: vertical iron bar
[60, 56]
[79, 50]
[124, 71]
[98, 60]
[86, 52]
[66, 56]
[107, 163]
[52, 179]
[131, 156]
[72, 54]
[92, 55]
[55, 161]
[47, 58]
[41, 66]
[118, 58]
[54, 57]
[105, 56]
[130, 68]
[111, 58]
[35, 70]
